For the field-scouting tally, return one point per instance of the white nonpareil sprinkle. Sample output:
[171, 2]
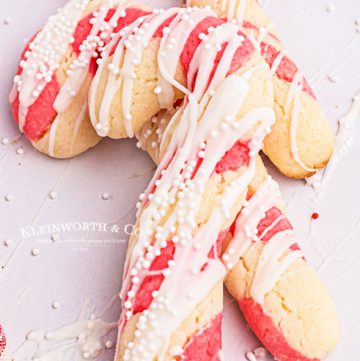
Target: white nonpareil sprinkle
[20, 151]
[260, 352]
[52, 195]
[330, 8]
[105, 196]
[5, 141]
[8, 21]
[55, 305]
[157, 90]
[55, 237]
[109, 344]
[35, 252]
[250, 356]
[8, 242]
[8, 197]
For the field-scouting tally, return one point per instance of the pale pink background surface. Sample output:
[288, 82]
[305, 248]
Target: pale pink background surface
[68, 274]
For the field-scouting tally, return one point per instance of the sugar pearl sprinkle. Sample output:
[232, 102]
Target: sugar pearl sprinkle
[55, 305]
[330, 8]
[55, 237]
[20, 151]
[35, 252]
[109, 344]
[52, 195]
[8, 242]
[260, 352]
[250, 356]
[8, 21]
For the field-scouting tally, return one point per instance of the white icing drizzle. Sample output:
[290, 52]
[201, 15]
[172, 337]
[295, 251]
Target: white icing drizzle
[343, 141]
[82, 338]
[137, 44]
[235, 9]
[52, 135]
[275, 65]
[276, 256]
[79, 120]
[293, 103]
[181, 28]
[101, 124]
[264, 31]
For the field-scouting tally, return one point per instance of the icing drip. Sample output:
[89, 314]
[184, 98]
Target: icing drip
[101, 124]
[82, 338]
[137, 44]
[235, 9]
[181, 28]
[293, 102]
[52, 135]
[277, 254]
[343, 141]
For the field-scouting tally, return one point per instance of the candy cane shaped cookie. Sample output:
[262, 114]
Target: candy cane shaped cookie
[301, 141]
[50, 94]
[282, 298]
[191, 199]
[123, 123]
